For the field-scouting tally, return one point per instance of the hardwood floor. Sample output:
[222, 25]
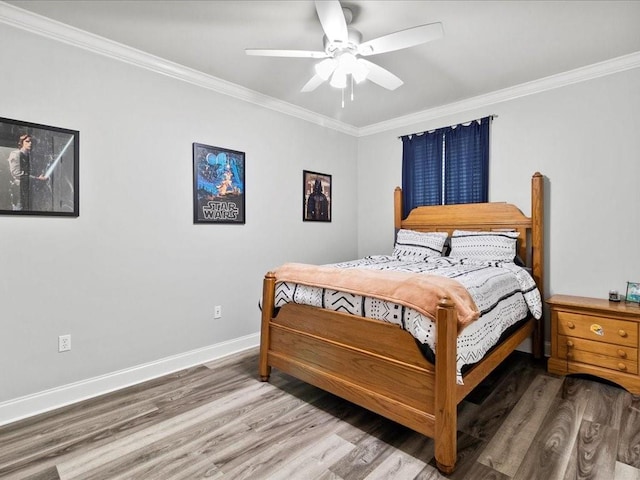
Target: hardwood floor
[219, 421]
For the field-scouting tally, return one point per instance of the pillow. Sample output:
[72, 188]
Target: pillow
[412, 245]
[484, 246]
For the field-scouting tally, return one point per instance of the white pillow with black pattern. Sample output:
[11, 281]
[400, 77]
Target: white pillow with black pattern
[418, 246]
[484, 246]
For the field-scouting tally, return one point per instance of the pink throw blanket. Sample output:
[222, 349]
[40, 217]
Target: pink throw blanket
[418, 291]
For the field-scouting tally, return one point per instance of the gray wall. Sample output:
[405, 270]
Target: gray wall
[133, 280]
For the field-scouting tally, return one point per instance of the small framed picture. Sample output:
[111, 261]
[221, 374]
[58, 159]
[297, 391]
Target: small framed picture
[316, 197]
[38, 169]
[633, 292]
[218, 185]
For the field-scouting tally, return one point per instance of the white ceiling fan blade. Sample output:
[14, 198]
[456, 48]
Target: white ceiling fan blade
[332, 20]
[266, 52]
[402, 39]
[312, 84]
[381, 76]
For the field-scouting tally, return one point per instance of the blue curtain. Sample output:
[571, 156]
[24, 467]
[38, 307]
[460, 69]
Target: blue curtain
[466, 159]
[422, 169]
[447, 166]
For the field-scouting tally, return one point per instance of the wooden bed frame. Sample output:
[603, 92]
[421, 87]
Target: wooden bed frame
[377, 365]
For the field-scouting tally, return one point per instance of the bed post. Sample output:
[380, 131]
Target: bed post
[446, 420]
[537, 239]
[397, 208]
[268, 295]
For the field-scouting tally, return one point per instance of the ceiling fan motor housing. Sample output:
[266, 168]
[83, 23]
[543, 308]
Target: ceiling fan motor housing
[354, 37]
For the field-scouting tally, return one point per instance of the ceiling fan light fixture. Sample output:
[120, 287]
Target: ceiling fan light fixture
[347, 61]
[360, 72]
[359, 77]
[344, 65]
[325, 68]
[338, 79]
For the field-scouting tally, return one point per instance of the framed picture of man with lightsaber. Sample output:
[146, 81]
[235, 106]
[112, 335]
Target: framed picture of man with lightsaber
[38, 169]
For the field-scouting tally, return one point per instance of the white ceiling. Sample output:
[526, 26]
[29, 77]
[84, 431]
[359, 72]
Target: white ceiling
[488, 46]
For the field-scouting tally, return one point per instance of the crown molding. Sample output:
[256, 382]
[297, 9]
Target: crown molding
[54, 30]
[608, 67]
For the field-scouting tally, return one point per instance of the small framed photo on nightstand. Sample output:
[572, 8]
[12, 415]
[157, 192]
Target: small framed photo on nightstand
[633, 292]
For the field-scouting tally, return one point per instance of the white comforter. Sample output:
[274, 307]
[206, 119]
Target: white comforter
[503, 292]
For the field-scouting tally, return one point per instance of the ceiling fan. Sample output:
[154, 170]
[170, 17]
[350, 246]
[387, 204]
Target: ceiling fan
[343, 50]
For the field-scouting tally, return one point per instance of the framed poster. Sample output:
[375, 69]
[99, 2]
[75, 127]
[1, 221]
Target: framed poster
[316, 196]
[38, 169]
[218, 185]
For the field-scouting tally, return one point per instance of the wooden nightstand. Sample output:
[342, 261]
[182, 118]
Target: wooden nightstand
[597, 337]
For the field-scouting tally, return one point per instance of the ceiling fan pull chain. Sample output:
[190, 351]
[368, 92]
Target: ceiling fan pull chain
[352, 88]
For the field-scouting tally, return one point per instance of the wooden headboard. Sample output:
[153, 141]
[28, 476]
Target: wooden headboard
[492, 216]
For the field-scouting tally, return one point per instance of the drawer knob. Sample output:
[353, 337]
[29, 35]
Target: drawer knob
[622, 354]
[570, 325]
[622, 333]
[569, 343]
[569, 355]
[622, 366]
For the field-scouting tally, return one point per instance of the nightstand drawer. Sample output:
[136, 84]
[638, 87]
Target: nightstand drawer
[602, 361]
[598, 329]
[614, 357]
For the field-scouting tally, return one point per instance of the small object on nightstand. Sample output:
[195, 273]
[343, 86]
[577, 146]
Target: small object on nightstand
[614, 296]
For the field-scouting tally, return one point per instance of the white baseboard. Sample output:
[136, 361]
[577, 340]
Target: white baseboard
[29, 405]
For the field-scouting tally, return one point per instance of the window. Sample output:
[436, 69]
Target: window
[446, 166]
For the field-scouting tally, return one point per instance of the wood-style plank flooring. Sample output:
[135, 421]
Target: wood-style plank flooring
[218, 421]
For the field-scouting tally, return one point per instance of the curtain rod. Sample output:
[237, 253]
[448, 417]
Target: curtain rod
[491, 117]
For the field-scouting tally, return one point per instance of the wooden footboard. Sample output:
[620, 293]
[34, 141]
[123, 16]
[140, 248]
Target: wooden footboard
[377, 365]
[374, 364]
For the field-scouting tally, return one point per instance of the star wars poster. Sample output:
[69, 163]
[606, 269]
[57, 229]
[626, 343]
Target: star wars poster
[219, 185]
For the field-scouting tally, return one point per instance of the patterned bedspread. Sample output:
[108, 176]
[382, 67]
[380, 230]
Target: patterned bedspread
[503, 292]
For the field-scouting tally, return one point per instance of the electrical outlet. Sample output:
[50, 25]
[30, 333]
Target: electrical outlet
[64, 343]
[217, 311]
